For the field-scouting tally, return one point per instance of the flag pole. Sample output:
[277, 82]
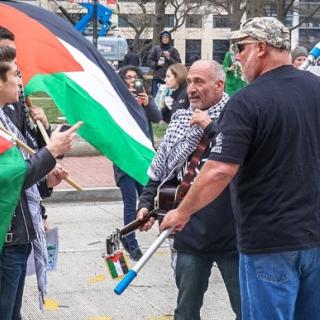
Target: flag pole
[31, 151]
[130, 276]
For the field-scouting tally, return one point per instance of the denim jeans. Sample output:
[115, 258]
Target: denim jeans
[192, 277]
[155, 86]
[281, 286]
[13, 264]
[129, 189]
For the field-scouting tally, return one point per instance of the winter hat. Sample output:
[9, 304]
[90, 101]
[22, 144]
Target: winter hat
[298, 52]
[165, 33]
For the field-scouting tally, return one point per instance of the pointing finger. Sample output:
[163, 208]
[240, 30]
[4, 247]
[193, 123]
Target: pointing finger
[75, 127]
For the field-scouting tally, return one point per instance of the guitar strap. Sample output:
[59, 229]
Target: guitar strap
[191, 169]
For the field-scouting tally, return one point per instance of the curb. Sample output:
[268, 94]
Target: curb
[102, 194]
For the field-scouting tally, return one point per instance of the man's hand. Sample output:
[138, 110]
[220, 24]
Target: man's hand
[56, 176]
[140, 215]
[45, 225]
[233, 67]
[166, 54]
[174, 219]
[201, 118]
[60, 142]
[37, 113]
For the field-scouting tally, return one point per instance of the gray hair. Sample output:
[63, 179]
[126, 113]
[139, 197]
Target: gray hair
[217, 71]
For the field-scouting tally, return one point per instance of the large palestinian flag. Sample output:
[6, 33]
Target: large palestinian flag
[12, 175]
[56, 59]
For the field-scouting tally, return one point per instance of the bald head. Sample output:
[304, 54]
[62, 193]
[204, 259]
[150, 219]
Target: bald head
[205, 81]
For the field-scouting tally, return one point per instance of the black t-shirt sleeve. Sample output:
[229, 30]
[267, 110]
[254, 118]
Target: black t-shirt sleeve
[234, 133]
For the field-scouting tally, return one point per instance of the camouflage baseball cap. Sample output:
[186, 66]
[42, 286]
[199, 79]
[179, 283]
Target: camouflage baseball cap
[267, 29]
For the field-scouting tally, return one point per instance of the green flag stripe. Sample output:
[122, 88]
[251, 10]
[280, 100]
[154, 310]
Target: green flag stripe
[99, 129]
[12, 175]
[112, 269]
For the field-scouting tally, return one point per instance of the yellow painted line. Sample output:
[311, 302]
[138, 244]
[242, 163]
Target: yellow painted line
[100, 318]
[162, 253]
[98, 278]
[50, 304]
[161, 318]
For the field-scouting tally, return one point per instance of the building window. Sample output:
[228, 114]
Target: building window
[219, 49]
[194, 21]
[221, 22]
[169, 21]
[313, 22]
[193, 51]
[122, 23]
[308, 37]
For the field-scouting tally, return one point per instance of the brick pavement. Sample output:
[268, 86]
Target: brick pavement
[89, 172]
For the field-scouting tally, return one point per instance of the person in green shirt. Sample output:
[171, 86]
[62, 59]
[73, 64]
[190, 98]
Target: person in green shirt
[233, 72]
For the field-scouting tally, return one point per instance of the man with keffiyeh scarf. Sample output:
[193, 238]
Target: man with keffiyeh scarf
[211, 236]
[26, 225]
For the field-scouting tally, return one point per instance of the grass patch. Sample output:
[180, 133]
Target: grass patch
[49, 107]
[52, 113]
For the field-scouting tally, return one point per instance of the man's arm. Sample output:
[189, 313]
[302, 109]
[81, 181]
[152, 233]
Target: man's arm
[152, 59]
[175, 57]
[213, 178]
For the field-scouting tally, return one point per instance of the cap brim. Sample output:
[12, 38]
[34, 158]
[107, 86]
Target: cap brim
[238, 34]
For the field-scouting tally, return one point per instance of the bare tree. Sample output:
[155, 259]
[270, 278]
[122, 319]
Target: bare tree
[159, 20]
[141, 21]
[256, 8]
[234, 8]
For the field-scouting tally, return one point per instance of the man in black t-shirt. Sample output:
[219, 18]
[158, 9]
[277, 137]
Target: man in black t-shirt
[267, 142]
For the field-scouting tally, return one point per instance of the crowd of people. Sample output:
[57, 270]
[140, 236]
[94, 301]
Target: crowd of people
[252, 207]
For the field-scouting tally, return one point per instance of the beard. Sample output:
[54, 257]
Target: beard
[249, 67]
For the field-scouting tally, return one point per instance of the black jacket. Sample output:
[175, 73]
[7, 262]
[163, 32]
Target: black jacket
[19, 118]
[179, 101]
[21, 226]
[131, 59]
[154, 55]
[212, 229]
[21, 230]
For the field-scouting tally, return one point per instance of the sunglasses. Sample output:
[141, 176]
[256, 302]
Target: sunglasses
[238, 47]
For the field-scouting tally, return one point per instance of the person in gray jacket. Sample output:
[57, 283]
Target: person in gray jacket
[132, 77]
[160, 58]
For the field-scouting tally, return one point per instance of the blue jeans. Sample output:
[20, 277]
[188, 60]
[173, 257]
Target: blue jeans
[192, 277]
[155, 86]
[13, 264]
[281, 286]
[129, 189]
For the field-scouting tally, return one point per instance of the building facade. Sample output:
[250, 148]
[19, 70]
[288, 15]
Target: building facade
[203, 35]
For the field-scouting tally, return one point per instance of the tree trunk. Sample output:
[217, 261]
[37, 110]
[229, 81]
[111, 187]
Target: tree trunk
[236, 15]
[255, 8]
[159, 20]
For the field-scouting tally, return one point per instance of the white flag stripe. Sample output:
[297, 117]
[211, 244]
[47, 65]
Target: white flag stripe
[98, 86]
[117, 265]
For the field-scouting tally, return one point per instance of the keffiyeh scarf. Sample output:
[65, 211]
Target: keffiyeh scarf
[179, 142]
[33, 199]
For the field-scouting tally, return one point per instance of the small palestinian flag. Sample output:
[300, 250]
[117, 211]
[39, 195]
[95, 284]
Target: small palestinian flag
[117, 265]
[56, 59]
[12, 175]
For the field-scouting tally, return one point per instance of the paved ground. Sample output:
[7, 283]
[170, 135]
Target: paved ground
[89, 172]
[82, 288]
